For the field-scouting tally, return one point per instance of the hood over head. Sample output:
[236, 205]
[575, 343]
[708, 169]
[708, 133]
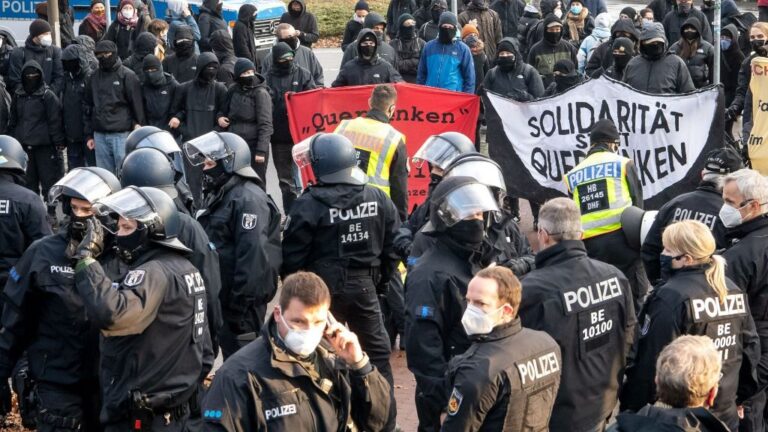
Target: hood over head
[79, 53]
[245, 14]
[221, 44]
[509, 44]
[145, 44]
[729, 9]
[183, 32]
[653, 31]
[367, 34]
[547, 7]
[373, 19]
[603, 21]
[731, 31]
[692, 22]
[625, 26]
[204, 60]
[211, 5]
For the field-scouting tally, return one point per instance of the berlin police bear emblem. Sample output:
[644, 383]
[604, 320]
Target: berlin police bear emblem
[134, 277]
[249, 221]
[454, 403]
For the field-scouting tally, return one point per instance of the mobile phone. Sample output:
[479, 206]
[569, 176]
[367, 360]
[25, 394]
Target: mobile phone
[331, 322]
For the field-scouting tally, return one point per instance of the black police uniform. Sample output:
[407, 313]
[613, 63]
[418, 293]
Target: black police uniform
[243, 223]
[154, 336]
[702, 205]
[435, 292]
[662, 418]
[687, 305]
[586, 306]
[747, 267]
[22, 220]
[506, 381]
[344, 234]
[264, 387]
[45, 316]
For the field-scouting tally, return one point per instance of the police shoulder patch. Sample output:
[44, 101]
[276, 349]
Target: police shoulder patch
[425, 311]
[249, 221]
[134, 278]
[454, 402]
[646, 325]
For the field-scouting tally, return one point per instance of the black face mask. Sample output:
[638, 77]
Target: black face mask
[552, 37]
[407, 33]
[446, 35]
[652, 51]
[292, 42]
[295, 13]
[107, 63]
[77, 227]
[620, 61]
[184, 48]
[665, 266]
[435, 15]
[215, 177]
[506, 64]
[71, 66]
[31, 83]
[247, 81]
[434, 180]
[690, 34]
[469, 233]
[283, 65]
[130, 247]
[756, 44]
[155, 78]
[564, 82]
[367, 51]
[209, 73]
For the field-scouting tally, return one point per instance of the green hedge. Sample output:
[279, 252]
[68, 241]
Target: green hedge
[332, 15]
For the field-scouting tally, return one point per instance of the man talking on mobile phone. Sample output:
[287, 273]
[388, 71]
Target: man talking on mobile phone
[305, 372]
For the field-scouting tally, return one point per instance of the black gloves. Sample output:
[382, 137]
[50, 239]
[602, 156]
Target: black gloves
[521, 265]
[93, 241]
[5, 398]
[731, 113]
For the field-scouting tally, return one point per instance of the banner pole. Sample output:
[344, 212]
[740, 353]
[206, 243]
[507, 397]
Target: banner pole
[716, 41]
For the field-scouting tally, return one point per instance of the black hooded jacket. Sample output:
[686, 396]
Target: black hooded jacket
[360, 71]
[145, 45]
[198, 102]
[701, 63]
[183, 68]
[249, 110]
[209, 21]
[35, 118]
[544, 54]
[407, 53]
[221, 45]
[536, 32]
[730, 63]
[280, 81]
[674, 21]
[158, 99]
[242, 33]
[668, 74]
[395, 10]
[509, 12]
[124, 37]
[523, 83]
[74, 92]
[49, 58]
[602, 56]
[384, 50]
[109, 107]
[305, 22]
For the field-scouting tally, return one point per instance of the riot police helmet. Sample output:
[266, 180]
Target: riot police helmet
[156, 138]
[479, 167]
[12, 155]
[222, 147]
[332, 157]
[440, 150]
[149, 167]
[86, 183]
[455, 199]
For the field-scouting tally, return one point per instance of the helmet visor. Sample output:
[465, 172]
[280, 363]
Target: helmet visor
[301, 155]
[466, 201]
[485, 172]
[80, 183]
[129, 203]
[208, 146]
[437, 151]
[162, 141]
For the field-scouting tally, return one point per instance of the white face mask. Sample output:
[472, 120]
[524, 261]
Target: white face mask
[558, 13]
[478, 322]
[730, 216]
[302, 342]
[46, 40]
[127, 13]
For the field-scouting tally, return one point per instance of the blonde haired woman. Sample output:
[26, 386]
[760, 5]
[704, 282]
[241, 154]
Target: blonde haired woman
[695, 298]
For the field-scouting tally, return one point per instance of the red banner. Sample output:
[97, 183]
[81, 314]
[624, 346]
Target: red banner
[420, 112]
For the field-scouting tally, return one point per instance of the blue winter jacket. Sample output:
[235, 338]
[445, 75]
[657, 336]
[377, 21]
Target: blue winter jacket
[447, 66]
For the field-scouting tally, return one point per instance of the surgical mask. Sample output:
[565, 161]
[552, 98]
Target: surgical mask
[435, 15]
[575, 10]
[665, 266]
[725, 44]
[302, 342]
[756, 43]
[46, 40]
[130, 247]
[553, 37]
[558, 13]
[684, 8]
[156, 77]
[506, 64]
[652, 51]
[127, 13]
[730, 216]
[446, 35]
[478, 322]
[470, 232]
[358, 18]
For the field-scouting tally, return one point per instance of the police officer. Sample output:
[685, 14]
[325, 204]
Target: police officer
[149, 167]
[152, 320]
[586, 306]
[437, 152]
[696, 299]
[504, 243]
[745, 196]
[436, 286]
[152, 137]
[381, 151]
[703, 205]
[342, 229]
[43, 310]
[603, 185]
[305, 372]
[22, 212]
[508, 379]
[243, 224]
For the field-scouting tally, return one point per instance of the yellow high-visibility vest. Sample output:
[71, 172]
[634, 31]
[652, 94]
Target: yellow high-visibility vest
[601, 191]
[376, 144]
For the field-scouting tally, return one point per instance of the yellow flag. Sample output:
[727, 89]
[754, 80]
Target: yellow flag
[758, 138]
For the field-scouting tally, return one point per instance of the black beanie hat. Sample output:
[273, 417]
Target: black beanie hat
[242, 65]
[105, 46]
[39, 27]
[151, 62]
[630, 12]
[604, 131]
[362, 5]
[279, 50]
[624, 45]
[564, 66]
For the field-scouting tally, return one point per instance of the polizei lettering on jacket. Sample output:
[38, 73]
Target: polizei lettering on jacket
[711, 307]
[593, 294]
[280, 411]
[537, 368]
[361, 211]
